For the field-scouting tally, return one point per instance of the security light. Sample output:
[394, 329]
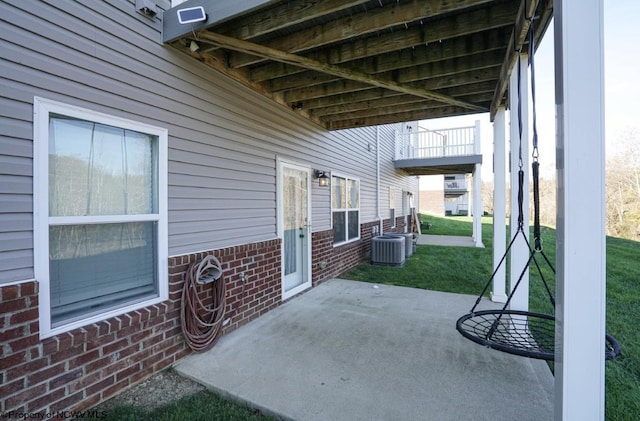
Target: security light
[191, 14]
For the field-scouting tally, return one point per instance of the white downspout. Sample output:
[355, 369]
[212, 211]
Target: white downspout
[380, 227]
[499, 206]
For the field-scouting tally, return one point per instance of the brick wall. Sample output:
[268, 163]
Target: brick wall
[259, 292]
[329, 261]
[78, 369]
[386, 224]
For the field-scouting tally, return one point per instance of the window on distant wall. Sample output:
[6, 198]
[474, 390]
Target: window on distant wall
[101, 215]
[345, 209]
[392, 206]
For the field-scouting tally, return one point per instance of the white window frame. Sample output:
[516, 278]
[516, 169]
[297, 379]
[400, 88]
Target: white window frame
[42, 109]
[347, 179]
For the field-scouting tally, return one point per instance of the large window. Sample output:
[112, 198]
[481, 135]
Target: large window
[100, 215]
[345, 209]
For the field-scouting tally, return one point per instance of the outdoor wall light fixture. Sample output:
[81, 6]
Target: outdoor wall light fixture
[147, 8]
[321, 176]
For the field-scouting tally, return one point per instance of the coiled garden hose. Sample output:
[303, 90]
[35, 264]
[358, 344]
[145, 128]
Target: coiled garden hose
[202, 324]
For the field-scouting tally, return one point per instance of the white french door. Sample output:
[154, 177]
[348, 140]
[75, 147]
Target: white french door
[295, 227]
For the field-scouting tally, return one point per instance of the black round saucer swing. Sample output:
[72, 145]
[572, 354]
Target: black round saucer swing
[525, 333]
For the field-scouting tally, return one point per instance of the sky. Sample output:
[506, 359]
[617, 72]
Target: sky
[622, 88]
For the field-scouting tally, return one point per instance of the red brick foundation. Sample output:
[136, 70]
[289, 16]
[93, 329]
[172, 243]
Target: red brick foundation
[259, 292]
[78, 369]
[329, 261]
[399, 227]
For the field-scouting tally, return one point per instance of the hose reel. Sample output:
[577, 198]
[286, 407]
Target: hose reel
[209, 270]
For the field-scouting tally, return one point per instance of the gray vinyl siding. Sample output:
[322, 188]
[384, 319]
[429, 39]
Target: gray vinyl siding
[224, 139]
[16, 189]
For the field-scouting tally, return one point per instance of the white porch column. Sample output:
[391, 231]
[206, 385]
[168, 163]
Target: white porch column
[477, 191]
[499, 206]
[519, 253]
[581, 248]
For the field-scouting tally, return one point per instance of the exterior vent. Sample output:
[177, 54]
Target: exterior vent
[387, 251]
[408, 238]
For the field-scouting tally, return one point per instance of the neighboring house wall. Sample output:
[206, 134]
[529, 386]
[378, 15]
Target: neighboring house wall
[432, 202]
[456, 206]
[456, 194]
[444, 194]
[432, 194]
[224, 142]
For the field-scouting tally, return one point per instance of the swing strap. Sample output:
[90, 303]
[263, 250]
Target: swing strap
[523, 333]
[535, 168]
[532, 51]
[520, 199]
[537, 249]
[535, 165]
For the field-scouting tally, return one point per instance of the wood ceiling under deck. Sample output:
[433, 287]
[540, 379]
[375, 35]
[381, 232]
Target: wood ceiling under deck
[354, 63]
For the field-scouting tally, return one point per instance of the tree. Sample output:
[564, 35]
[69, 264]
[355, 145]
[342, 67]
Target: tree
[622, 199]
[623, 186]
[487, 196]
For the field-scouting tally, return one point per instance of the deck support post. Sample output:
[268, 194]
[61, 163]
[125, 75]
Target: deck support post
[581, 244]
[499, 206]
[477, 190]
[519, 253]
[476, 205]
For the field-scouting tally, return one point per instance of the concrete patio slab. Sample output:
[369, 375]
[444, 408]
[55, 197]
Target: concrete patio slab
[349, 350]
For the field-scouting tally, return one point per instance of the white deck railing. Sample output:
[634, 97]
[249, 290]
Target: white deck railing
[438, 143]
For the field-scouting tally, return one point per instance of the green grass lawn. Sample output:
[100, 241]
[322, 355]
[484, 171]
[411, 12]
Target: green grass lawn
[451, 225]
[450, 269]
[202, 406]
[466, 271]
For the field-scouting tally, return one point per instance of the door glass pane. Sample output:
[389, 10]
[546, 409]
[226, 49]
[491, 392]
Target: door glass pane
[95, 169]
[98, 267]
[295, 198]
[295, 218]
[290, 251]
